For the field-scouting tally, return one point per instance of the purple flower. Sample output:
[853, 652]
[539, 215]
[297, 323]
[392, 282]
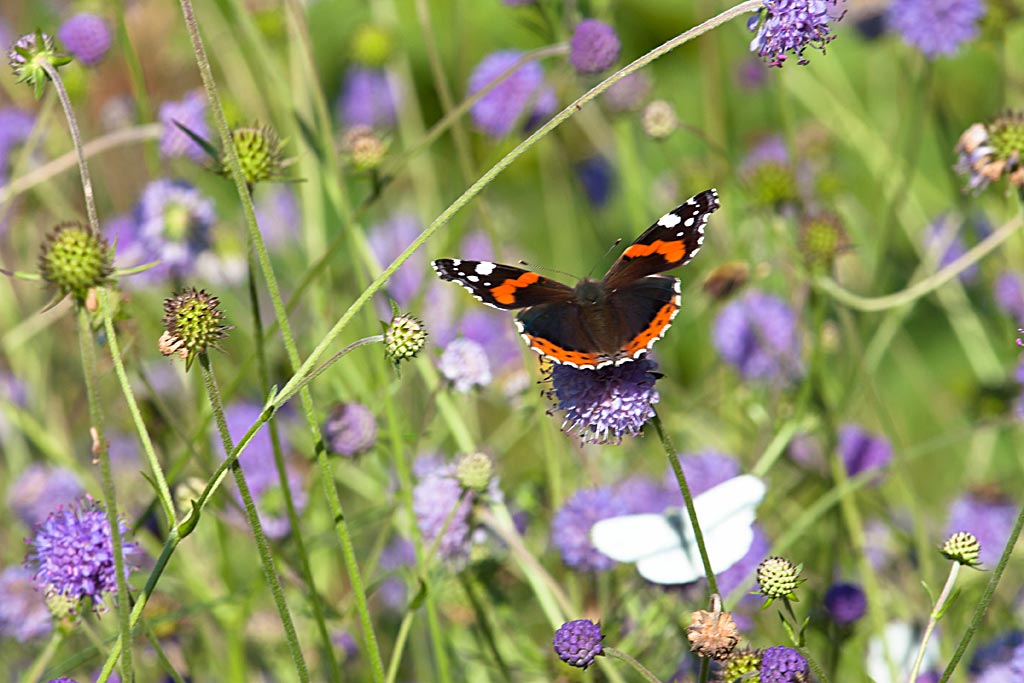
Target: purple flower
[791, 26]
[640, 494]
[62, 679]
[862, 451]
[1009, 294]
[39, 489]
[491, 330]
[845, 603]
[594, 47]
[369, 97]
[703, 471]
[597, 177]
[752, 74]
[604, 405]
[15, 127]
[628, 93]
[758, 334]
[87, 37]
[521, 97]
[940, 235]
[389, 239]
[396, 554]
[990, 520]
[998, 651]
[578, 642]
[350, 429]
[464, 363]
[1017, 662]
[23, 611]
[570, 527]
[935, 27]
[190, 111]
[278, 215]
[435, 497]
[72, 553]
[783, 665]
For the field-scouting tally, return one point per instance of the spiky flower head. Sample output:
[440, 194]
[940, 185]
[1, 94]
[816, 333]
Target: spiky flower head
[988, 151]
[962, 547]
[783, 665]
[822, 238]
[74, 259]
[193, 323]
[742, 665]
[791, 26]
[659, 119]
[364, 147]
[404, 337]
[712, 635]
[260, 154]
[778, 578]
[30, 55]
[475, 471]
[578, 642]
[594, 47]
[372, 46]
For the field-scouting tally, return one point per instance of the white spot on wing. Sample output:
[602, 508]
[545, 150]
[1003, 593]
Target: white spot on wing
[473, 278]
[688, 222]
[484, 268]
[669, 220]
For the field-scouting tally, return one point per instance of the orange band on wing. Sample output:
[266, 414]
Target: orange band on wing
[560, 355]
[654, 331]
[672, 251]
[505, 293]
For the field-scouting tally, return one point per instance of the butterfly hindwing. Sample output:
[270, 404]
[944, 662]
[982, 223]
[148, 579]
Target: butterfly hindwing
[645, 309]
[672, 241]
[501, 286]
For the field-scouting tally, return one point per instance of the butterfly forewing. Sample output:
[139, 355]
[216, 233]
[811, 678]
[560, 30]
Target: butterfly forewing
[672, 241]
[501, 286]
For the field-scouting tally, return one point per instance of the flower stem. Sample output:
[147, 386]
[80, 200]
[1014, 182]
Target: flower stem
[640, 668]
[933, 620]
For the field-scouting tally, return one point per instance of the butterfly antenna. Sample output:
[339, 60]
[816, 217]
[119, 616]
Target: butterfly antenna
[615, 244]
[571, 276]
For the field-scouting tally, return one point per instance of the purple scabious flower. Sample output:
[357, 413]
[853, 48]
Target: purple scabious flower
[640, 495]
[862, 451]
[87, 37]
[758, 335]
[1009, 294]
[845, 603]
[594, 47]
[72, 553]
[260, 469]
[998, 651]
[522, 97]
[628, 93]
[435, 496]
[24, 615]
[350, 429]
[15, 127]
[597, 177]
[752, 74]
[62, 679]
[391, 590]
[490, 329]
[989, 519]
[570, 527]
[791, 26]
[935, 27]
[464, 363]
[190, 111]
[783, 665]
[577, 642]
[1017, 662]
[604, 405]
[369, 97]
[39, 489]
[387, 240]
[171, 223]
[277, 215]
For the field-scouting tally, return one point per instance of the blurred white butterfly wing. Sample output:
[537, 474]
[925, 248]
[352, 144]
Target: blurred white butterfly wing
[664, 547]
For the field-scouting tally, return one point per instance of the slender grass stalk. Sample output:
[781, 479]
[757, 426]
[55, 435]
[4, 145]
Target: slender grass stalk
[644, 672]
[933, 619]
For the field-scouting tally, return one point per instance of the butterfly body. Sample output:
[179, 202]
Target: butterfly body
[603, 322]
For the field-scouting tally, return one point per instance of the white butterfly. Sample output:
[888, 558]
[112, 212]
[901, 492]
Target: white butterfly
[663, 545]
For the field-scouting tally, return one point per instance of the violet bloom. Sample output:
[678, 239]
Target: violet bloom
[597, 176]
[703, 471]
[1009, 294]
[862, 451]
[628, 93]
[39, 489]
[350, 429]
[369, 97]
[15, 128]
[388, 239]
[758, 335]
[436, 495]
[604, 405]
[990, 520]
[940, 235]
[520, 98]
[24, 615]
[577, 642]
[935, 27]
[277, 215]
[594, 47]
[783, 665]
[72, 553]
[570, 527]
[391, 590]
[86, 37]
[640, 495]
[190, 111]
[845, 603]
[791, 26]
[464, 363]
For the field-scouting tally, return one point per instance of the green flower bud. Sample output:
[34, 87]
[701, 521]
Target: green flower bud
[404, 338]
[74, 259]
[193, 323]
[962, 547]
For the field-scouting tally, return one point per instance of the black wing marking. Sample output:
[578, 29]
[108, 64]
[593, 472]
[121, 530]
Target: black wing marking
[501, 286]
[645, 309]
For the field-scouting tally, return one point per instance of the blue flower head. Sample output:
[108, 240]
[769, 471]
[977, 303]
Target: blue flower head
[350, 429]
[190, 111]
[570, 527]
[578, 642]
[436, 495]
[845, 603]
[520, 98]
[758, 334]
[989, 518]
[861, 450]
[935, 27]
[791, 26]
[86, 37]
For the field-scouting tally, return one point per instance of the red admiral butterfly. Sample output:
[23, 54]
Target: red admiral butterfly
[603, 322]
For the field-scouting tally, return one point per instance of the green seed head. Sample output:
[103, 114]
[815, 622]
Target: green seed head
[962, 547]
[742, 665]
[821, 238]
[74, 259]
[29, 56]
[260, 154]
[778, 578]
[404, 338]
[1006, 135]
[372, 46]
[193, 323]
[474, 472]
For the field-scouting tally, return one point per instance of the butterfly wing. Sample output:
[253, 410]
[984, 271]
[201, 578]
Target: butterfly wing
[501, 286]
[644, 310]
[672, 241]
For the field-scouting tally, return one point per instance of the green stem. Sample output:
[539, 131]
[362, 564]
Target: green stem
[640, 668]
[35, 671]
[933, 620]
[374, 339]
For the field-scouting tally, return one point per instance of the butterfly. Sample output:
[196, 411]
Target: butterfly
[597, 323]
[663, 545]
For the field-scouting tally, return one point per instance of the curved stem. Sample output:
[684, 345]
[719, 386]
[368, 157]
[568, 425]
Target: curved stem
[933, 620]
[640, 668]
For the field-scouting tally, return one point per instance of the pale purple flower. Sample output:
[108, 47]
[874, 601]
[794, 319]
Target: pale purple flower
[190, 111]
[703, 471]
[15, 128]
[396, 554]
[862, 451]
[520, 98]
[434, 498]
[640, 494]
[940, 235]
[388, 239]
[464, 363]
[628, 93]
[594, 47]
[758, 335]
[369, 97]
[39, 489]
[277, 215]
[350, 429]
[86, 37]
[570, 527]
[792, 26]
[989, 519]
[1009, 294]
[936, 27]
[24, 615]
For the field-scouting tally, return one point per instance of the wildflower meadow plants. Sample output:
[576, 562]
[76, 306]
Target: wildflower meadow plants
[248, 434]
